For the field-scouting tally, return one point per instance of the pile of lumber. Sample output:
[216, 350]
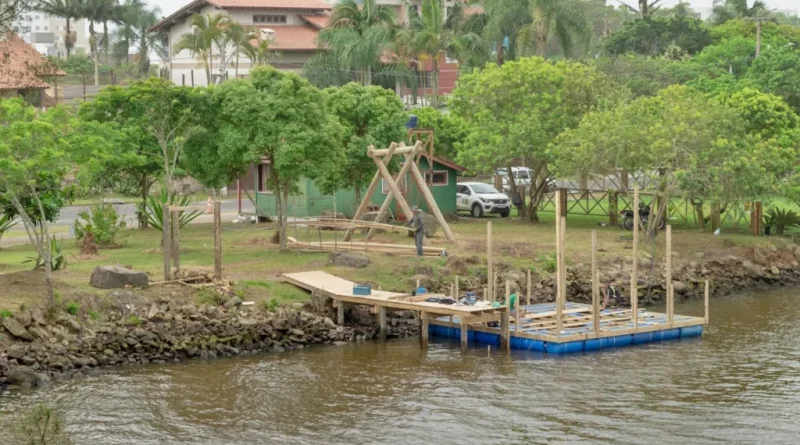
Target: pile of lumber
[198, 279]
[344, 224]
[395, 249]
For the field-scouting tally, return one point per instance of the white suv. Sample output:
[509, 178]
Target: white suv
[479, 198]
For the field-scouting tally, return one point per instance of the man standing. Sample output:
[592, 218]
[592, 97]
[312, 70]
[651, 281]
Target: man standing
[419, 224]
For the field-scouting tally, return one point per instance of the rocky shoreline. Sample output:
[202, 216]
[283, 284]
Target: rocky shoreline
[42, 346]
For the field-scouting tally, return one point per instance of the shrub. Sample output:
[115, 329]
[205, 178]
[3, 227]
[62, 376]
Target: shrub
[57, 260]
[154, 209]
[134, 320]
[93, 315]
[271, 305]
[549, 263]
[5, 313]
[777, 220]
[102, 223]
[41, 426]
[73, 307]
[208, 296]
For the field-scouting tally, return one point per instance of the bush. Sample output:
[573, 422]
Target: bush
[271, 305]
[134, 320]
[208, 296]
[5, 313]
[102, 223]
[73, 307]
[154, 210]
[57, 260]
[93, 315]
[777, 220]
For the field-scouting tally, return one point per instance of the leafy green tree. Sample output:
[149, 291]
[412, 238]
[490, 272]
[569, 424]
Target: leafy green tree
[283, 118]
[512, 113]
[207, 30]
[356, 39]
[651, 36]
[774, 34]
[504, 21]
[369, 116]
[565, 20]
[449, 130]
[256, 50]
[643, 75]
[777, 71]
[725, 10]
[68, 10]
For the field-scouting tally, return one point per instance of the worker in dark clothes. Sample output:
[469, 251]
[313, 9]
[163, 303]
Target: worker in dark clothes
[418, 223]
[612, 293]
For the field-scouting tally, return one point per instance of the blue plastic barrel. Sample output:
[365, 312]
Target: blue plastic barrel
[412, 121]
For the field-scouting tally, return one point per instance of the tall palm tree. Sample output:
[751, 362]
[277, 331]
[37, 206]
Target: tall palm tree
[142, 37]
[503, 21]
[128, 15]
[356, 39]
[725, 10]
[206, 30]
[66, 9]
[255, 49]
[96, 11]
[565, 20]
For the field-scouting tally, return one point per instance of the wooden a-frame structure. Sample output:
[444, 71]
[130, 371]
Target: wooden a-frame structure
[382, 157]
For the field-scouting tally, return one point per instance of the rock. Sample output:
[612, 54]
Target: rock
[42, 379]
[71, 324]
[233, 302]
[772, 248]
[760, 257]
[84, 362]
[117, 277]
[457, 265]
[679, 286]
[728, 243]
[645, 262]
[23, 318]
[775, 270]
[37, 315]
[16, 352]
[797, 254]
[431, 225]
[348, 259]
[16, 329]
[22, 376]
[153, 311]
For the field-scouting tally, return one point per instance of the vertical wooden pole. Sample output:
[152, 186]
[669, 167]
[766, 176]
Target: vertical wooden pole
[335, 226]
[176, 240]
[166, 241]
[563, 262]
[595, 288]
[506, 319]
[340, 313]
[489, 260]
[558, 261]
[670, 290]
[705, 304]
[423, 333]
[517, 305]
[635, 271]
[457, 293]
[494, 289]
[217, 240]
[528, 299]
[382, 321]
[464, 333]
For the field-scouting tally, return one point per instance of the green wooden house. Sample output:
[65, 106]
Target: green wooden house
[310, 202]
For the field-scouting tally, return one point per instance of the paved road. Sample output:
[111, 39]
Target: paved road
[69, 214]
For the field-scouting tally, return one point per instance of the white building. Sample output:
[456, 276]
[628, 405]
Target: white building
[290, 25]
[47, 33]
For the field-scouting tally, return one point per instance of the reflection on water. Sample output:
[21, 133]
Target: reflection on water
[740, 383]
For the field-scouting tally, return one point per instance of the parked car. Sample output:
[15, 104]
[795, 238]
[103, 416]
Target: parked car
[522, 176]
[478, 199]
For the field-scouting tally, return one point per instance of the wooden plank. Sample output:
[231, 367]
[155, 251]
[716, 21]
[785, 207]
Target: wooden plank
[217, 240]
[365, 202]
[456, 284]
[422, 187]
[200, 208]
[489, 261]
[528, 300]
[705, 304]
[382, 152]
[166, 241]
[595, 287]
[410, 159]
[559, 283]
[505, 318]
[670, 294]
[634, 272]
[175, 224]
[423, 331]
[464, 334]
[340, 313]
[393, 188]
[382, 320]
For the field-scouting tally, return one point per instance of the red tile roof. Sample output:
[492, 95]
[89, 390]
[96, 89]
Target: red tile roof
[293, 38]
[317, 21]
[312, 5]
[21, 66]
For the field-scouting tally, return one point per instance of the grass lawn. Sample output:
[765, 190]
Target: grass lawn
[255, 263]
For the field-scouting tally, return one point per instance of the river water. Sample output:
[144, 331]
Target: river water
[739, 384]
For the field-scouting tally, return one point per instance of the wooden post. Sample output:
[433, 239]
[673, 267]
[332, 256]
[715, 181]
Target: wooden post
[217, 240]
[489, 260]
[705, 304]
[494, 289]
[362, 206]
[518, 310]
[528, 299]
[595, 288]
[382, 321]
[464, 333]
[613, 208]
[340, 313]
[670, 290]
[558, 261]
[422, 186]
[335, 226]
[423, 332]
[389, 198]
[564, 262]
[635, 271]
[395, 190]
[457, 293]
[506, 319]
[166, 241]
[176, 241]
[563, 198]
[756, 215]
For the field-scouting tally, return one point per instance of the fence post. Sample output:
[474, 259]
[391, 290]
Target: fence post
[183, 79]
[613, 208]
[562, 197]
[191, 73]
[55, 82]
[756, 216]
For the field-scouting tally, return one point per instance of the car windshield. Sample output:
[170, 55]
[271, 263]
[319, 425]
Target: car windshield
[522, 174]
[483, 188]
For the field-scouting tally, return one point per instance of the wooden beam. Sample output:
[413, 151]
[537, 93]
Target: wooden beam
[595, 287]
[175, 223]
[518, 310]
[705, 304]
[382, 320]
[388, 200]
[457, 293]
[422, 186]
[564, 260]
[464, 334]
[362, 206]
[670, 291]
[423, 330]
[528, 299]
[506, 318]
[217, 240]
[340, 313]
[393, 189]
[635, 266]
[384, 152]
[489, 263]
[559, 284]
[166, 241]
[200, 208]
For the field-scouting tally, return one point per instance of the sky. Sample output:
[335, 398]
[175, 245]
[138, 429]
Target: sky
[170, 6]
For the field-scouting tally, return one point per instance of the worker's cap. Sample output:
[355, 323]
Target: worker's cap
[415, 209]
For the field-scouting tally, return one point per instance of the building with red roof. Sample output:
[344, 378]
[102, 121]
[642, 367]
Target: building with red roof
[24, 72]
[291, 26]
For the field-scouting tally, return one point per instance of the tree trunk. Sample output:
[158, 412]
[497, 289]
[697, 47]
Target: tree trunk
[541, 40]
[500, 55]
[358, 195]
[660, 201]
[512, 191]
[535, 194]
[698, 213]
[145, 187]
[368, 79]
[68, 39]
[94, 54]
[209, 66]
[105, 41]
[435, 81]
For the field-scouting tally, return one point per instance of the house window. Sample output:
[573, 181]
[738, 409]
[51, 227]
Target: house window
[401, 184]
[37, 28]
[260, 18]
[45, 28]
[263, 177]
[436, 178]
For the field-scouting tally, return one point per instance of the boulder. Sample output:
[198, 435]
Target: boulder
[233, 302]
[348, 259]
[117, 277]
[16, 329]
[679, 286]
[22, 376]
[760, 257]
[430, 224]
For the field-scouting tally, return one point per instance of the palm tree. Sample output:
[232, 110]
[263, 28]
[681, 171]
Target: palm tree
[96, 11]
[206, 30]
[503, 21]
[255, 49]
[66, 9]
[646, 7]
[725, 10]
[128, 16]
[357, 38]
[563, 19]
